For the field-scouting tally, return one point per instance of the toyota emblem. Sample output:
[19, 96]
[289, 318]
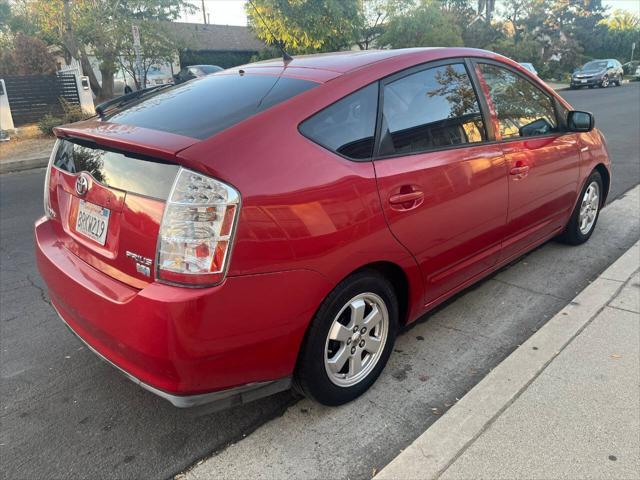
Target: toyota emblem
[82, 185]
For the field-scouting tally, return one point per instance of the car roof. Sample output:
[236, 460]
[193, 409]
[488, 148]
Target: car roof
[323, 67]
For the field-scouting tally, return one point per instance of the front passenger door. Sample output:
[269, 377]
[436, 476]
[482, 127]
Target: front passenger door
[542, 160]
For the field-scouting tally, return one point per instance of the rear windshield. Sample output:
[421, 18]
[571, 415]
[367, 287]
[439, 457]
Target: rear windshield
[203, 107]
[117, 170]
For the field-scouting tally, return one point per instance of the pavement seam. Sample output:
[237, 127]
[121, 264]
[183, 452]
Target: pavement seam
[500, 411]
[504, 282]
[622, 309]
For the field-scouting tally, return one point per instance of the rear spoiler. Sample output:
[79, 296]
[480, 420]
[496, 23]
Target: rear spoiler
[126, 138]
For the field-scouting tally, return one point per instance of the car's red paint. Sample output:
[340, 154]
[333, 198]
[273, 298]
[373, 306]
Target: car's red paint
[308, 219]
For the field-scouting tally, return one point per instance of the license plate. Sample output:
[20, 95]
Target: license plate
[583, 81]
[158, 82]
[93, 221]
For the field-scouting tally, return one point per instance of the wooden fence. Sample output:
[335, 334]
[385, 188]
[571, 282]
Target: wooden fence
[33, 96]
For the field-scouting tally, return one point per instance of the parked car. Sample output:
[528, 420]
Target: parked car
[601, 73]
[123, 82]
[637, 73]
[530, 67]
[195, 71]
[263, 227]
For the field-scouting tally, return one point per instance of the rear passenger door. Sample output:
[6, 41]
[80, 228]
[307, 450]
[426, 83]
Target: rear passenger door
[443, 188]
[542, 159]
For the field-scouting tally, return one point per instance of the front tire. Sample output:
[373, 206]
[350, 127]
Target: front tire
[585, 215]
[349, 341]
[605, 82]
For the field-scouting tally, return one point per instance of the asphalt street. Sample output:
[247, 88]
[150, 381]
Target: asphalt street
[65, 413]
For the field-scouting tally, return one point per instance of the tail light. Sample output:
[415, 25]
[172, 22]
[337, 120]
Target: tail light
[48, 211]
[197, 230]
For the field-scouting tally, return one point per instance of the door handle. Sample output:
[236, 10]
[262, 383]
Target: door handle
[519, 170]
[406, 200]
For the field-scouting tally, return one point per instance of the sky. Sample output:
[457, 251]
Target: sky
[231, 12]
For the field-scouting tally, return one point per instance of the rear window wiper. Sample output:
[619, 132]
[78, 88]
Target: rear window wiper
[104, 107]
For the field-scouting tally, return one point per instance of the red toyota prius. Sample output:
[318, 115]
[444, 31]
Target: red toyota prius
[277, 223]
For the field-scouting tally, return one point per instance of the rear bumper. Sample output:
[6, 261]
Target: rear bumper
[233, 342]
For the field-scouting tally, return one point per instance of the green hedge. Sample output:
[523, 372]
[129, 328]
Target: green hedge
[211, 57]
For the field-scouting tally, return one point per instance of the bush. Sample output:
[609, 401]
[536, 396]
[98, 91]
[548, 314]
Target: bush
[28, 56]
[70, 113]
[48, 122]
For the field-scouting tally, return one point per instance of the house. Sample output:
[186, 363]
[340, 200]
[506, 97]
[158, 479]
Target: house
[223, 45]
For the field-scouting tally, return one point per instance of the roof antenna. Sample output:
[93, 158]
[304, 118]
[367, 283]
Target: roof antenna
[280, 44]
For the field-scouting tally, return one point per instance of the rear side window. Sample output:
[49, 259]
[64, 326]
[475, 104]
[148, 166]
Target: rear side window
[348, 126]
[206, 106]
[430, 109]
[117, 170]
[523, 110]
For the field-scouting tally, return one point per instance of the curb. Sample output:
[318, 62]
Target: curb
[442, 443]
[23, 164]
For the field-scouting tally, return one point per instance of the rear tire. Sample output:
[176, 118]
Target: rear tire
[585, 215]
[349, 340]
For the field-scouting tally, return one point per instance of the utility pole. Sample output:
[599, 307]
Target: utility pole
[204, 13]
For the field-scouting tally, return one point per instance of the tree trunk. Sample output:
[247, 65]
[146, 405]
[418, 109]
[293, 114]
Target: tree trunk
[106, 70]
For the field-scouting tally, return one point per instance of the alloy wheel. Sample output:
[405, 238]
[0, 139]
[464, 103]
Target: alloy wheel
[356, 339]
[589, 208]
[605, 82]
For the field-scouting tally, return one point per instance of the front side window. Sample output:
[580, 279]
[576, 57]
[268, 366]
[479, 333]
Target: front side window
[523, 110]
[430, 109]
[348, 126]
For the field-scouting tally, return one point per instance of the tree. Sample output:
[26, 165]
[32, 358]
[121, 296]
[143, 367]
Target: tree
[613, 37]
[305, 26]
[27, 56]
[426, 25]
[98, 27]
[154, 50]
[374, 15]
[621, 20]
[486, 8]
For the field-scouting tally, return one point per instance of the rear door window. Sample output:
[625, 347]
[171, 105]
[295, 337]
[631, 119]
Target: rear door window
[431, 109]
[206, 106]
[348, 126]
[523, 110]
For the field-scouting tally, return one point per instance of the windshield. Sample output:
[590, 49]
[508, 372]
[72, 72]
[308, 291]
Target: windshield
[595, 65]
[205, 106]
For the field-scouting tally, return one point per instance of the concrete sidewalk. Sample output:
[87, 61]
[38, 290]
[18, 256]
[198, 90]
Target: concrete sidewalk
[25, 154]
[565, 404]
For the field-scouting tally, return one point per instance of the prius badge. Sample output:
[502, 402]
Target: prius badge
[143, 264]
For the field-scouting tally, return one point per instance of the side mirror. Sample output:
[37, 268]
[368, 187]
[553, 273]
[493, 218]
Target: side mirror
[578, 121]
[537, 127]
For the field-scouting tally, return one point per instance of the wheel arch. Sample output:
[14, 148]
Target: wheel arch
[399, 280]
[606, 180]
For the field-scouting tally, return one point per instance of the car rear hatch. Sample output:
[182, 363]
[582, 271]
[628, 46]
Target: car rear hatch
[109, 180]
[107, 187]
